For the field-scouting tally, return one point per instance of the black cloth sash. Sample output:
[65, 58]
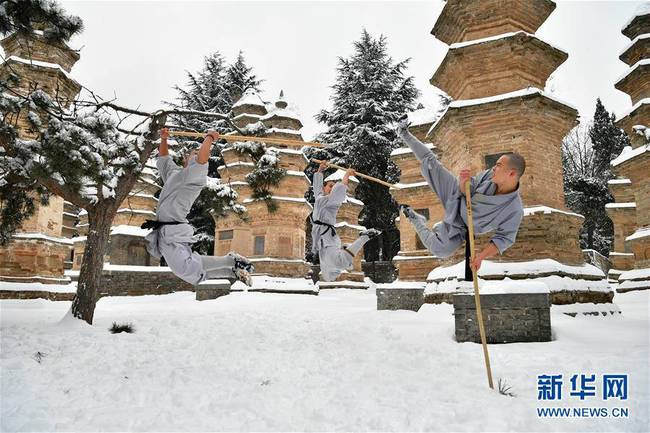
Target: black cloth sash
[154, 224]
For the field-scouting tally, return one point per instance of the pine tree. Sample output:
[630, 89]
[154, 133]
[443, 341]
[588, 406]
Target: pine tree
[215, 88]
[586, 156]
[370, 94]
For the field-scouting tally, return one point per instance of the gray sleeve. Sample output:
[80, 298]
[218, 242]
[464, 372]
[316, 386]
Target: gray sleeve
[317, 182]
[166, 166]
[196, 174]
[418, 148]
[506, 233]
[338, 194]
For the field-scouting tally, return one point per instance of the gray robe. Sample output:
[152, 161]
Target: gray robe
[181, 188]
[333, 259]
[499, 213]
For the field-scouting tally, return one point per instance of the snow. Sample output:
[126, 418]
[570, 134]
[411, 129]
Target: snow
[642, 62]
[499, 37]
[39, 287]
[639, 233]
[277, 284]
[134, 268]
[422, 116]
[405, 150]
[42, 65]
[354, 201]
[281, 112]
[242, 115]
[619, 182]
[509, 95]
[534, 267]
[510, 286]
[644, 101]
[250, 97]
[635, 274]
[276, 197]
[642, 9]
[612, 253]
[284, 131]
[547, 210]
[633, 284]
[338, 175]
[129, 230]
[621, 205]
[634, 41]
[629, 153]
[79, 239]
[410, 185]
[41, 236]
[282, 362]
[401, 258]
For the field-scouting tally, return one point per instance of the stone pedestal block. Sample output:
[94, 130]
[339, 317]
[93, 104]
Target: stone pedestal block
[212, 289]
[508, 318]
[400, 298]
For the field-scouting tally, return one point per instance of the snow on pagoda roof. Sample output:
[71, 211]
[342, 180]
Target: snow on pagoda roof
[501, 97]
[644, 101]
[498, 37]
[547, 210]
[629, 153]
[281, 112]
[129, 230]
[619, 181]
[284, 131]
[643, 9]
[629, 204]
[250, 97]
[641, 62]
[634, 41]
[338, 175]
[242, 115]
[42, 65]
[639, 233]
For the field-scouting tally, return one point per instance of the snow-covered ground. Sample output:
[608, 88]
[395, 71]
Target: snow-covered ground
[260, 362]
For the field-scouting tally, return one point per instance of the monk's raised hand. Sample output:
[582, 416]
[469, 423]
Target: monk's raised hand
[463, 177]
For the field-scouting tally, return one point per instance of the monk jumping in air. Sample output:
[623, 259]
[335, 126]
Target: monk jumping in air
[496, 204]
[172, 235]
[334, 259]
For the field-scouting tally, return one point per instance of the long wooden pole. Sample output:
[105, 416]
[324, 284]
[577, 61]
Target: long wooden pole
[270, 140]
[365, 176]
[477, 297]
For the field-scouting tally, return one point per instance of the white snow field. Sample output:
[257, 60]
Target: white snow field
[279, 362]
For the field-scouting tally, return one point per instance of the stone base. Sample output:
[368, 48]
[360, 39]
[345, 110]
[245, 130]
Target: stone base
[270, 284]
[635, 279]
[400, 298]
[343, 284]
[32, 294]
[414, 268]
[34, 258]
[508, 318]
[212, 289]
[281, 268]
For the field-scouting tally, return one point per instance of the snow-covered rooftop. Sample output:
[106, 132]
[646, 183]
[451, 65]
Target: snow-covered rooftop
[642, 9]
[498, 37]
[509, 95]
[619, 181]
[634, 41]
[129, 230]
[644, 101]
[629, 153]
[641, 62]
[422, 116]
[40, 236]
[281, 112]
[643, 232]
[621, 205]
[42, 65]
[250, 97]
[547, 210]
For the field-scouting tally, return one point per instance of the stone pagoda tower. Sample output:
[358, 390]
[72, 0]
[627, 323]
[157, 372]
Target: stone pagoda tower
[127, 245]
[495, 71]
[39, 248]
[274, 241]
[631, 211]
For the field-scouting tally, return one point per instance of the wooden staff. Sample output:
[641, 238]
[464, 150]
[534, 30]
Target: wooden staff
[269, 140]
[365, 176]
[477, 297]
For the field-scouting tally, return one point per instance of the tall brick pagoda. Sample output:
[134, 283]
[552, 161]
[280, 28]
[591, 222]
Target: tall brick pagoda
[631, 211]
[39, 249]
[495, 71]
[274, 241]
[127, 245]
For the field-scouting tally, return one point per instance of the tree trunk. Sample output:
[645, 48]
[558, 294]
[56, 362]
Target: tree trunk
[90, 276]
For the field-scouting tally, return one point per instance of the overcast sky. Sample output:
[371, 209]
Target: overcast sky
[139, 50]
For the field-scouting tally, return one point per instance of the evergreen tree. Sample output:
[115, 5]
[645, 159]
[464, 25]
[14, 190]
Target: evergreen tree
[586, 155]
[215, 88]
[370, 94]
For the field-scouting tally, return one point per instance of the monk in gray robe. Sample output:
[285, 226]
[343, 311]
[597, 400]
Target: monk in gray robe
[496, 204]
[172, 235]
[334, 258]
